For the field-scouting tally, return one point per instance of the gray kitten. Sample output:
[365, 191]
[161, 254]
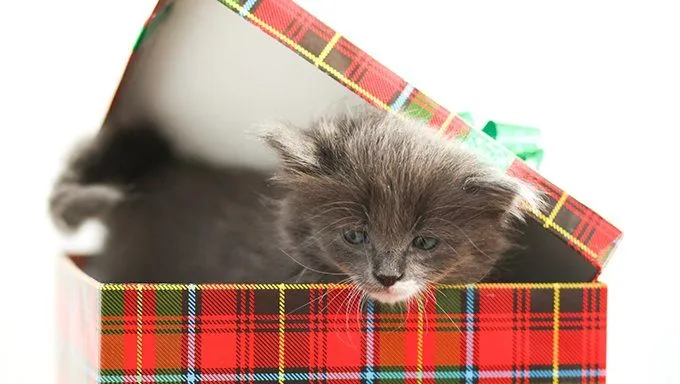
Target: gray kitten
[364, 197]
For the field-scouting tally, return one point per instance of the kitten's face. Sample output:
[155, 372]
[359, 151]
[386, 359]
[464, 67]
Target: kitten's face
[391, 206]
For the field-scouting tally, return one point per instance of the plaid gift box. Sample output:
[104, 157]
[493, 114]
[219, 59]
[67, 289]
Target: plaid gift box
[240, 333]
[550, 329]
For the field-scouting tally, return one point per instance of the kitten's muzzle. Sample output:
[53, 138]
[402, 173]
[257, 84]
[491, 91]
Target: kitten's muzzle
[387, 280]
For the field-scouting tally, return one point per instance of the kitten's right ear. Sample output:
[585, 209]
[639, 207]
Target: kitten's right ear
[295, 148]
[508, 195]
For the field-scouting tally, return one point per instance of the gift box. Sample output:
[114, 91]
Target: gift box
[221, 66]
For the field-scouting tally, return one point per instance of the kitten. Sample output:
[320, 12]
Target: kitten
[363, 197]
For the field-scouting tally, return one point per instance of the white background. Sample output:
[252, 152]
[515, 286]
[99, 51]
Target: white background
[601, 81]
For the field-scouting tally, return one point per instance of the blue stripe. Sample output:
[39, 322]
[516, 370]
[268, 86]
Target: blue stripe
[384, 375]
[470, 330]
[191, 342]
[370, 341]
[246, 7]
[401, 100]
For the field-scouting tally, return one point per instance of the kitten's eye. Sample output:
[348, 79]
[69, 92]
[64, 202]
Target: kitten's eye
[425, 243]
[355, 237]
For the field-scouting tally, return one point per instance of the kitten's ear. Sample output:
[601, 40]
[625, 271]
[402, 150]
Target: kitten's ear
[512, 197]
[295, 148]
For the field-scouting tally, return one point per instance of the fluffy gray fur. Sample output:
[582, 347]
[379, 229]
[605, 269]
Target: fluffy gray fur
[172, 219]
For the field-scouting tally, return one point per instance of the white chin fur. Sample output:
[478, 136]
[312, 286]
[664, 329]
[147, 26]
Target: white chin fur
[400, 291]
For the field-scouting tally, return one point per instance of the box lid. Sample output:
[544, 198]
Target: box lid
[565, 241]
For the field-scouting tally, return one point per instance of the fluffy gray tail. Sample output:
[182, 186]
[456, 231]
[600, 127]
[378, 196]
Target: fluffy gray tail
[101, 171]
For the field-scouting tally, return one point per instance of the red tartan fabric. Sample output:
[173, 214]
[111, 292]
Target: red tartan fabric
[548, 333]
[568, 219]
[588, 233]
[510, 333]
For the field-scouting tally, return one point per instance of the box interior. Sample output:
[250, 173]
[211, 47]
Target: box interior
[208, 78]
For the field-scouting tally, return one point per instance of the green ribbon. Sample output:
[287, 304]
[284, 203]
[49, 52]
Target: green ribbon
[152, 24]
[521, 140]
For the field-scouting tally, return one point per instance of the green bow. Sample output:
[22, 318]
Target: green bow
[521, 140]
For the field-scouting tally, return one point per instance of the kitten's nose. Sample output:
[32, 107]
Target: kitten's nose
[388, 280]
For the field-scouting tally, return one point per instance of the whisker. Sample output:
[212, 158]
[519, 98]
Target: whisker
[434, 286]
[446, 243]
[466, 237]
[334, 297]
[443, 207]
[484, 277]
[328, 291]
[415, 224]
[312, 269]
[334, 203]
[422, 312]
[331, 209]
[345, 302]
[472, 242]
[318, 233]
[360, 308]
[353, 295]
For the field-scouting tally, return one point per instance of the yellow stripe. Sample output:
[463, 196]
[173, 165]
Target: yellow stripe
[556, 335]
[154, 287]
[139, 332]
[565, 234]
[556, 210]
[381, 104]
[363, 92]
[419, 361]
[378, 102]
[234, 5]
[282, 327]
[327, 49]
[208, 287]
[182, 287]
[446, 123]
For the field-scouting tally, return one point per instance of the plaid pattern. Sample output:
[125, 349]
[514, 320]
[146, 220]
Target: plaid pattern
[581, 228]
[510, 333]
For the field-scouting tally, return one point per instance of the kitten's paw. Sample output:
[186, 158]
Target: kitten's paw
[71, 205]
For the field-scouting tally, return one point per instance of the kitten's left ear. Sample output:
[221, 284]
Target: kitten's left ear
[511, 196]
[295, 148]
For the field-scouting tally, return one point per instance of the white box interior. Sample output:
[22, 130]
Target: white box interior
[208, 78]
